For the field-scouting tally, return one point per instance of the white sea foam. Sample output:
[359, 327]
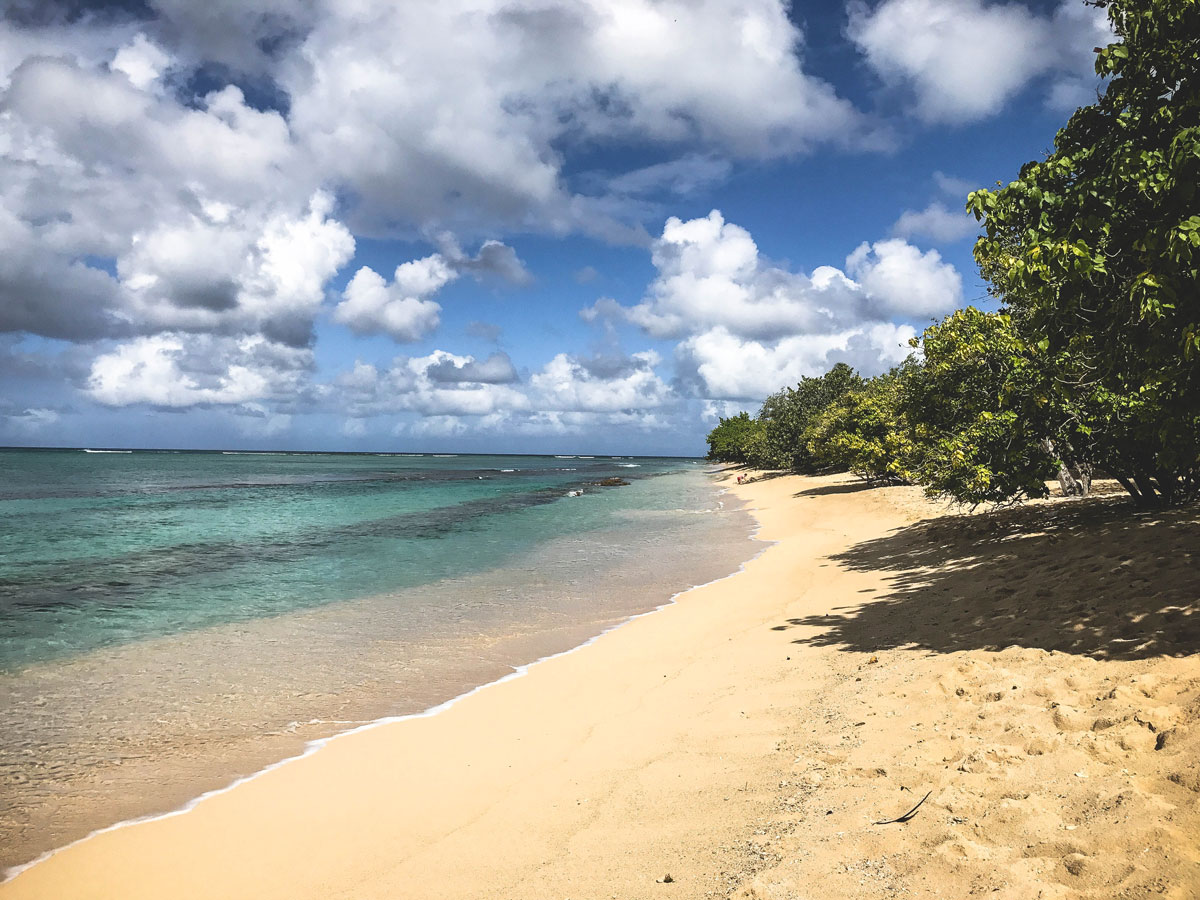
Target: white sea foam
[107, 451]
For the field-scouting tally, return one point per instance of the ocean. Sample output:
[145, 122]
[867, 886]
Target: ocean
[172, 621]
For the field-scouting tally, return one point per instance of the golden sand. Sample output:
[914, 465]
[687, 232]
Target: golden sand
[1033, 672]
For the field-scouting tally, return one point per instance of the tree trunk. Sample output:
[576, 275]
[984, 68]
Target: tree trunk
[1168, 485]
[1146, 487]
[1074, 478]
[1130, 487]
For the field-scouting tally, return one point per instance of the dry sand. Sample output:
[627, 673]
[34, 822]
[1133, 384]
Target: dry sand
[1034, 671]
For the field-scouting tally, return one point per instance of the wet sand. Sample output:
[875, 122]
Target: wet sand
[1033, 672]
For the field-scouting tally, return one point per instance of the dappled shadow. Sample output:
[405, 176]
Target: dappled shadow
[851, 487]
[1089, 577]
[749, 474]
[767, 475]
[754, 474]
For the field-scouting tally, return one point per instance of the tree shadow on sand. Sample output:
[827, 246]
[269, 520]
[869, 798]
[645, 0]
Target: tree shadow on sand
[1088, 577]
[851, 487]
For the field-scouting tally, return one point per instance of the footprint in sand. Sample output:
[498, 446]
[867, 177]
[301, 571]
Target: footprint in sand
[1040, 746]
[1067, 718]
[1189, 780]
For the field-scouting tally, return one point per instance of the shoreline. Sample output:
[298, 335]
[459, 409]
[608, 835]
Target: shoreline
[312, 746]
[744, 738]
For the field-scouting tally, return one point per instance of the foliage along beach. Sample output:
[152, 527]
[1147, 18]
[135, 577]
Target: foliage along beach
[1092, 363]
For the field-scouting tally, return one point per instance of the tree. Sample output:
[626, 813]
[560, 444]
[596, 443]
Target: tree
[864, 431]
[976, 420]
[1095, 252]
[787, 414]
[733, 438]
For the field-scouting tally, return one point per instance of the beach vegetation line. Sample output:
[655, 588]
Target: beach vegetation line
[1091, 364]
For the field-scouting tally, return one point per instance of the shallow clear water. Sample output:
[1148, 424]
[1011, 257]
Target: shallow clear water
[169, 621]
[103, 548]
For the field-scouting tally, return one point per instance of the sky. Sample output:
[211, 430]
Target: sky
[518, 226]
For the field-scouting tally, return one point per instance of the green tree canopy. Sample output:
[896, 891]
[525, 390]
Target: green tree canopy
[787, 414]
[969, 439]
[864, 431]
[733, 438]
[1095, 251]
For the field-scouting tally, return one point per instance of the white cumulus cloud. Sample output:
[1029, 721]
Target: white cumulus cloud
[710, 274]
[206, 213]
[371, 305]
[748, 327]
[491, 92]
[178, 370]
[567, 384]
[900, 280]
[403, 308]
[141, 61]
[936, 221]
[727, 366]
[944, 220]
[231, 272]
[964, 59]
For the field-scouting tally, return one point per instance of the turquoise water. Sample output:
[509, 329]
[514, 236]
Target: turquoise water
[104, 548]
[171, 621]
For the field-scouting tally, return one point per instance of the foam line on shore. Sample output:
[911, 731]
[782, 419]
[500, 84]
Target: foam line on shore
[313, 746]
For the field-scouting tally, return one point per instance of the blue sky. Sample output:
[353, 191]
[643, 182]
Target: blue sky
[495, 225]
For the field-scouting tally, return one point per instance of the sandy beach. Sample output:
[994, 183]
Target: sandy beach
[1031, 673]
